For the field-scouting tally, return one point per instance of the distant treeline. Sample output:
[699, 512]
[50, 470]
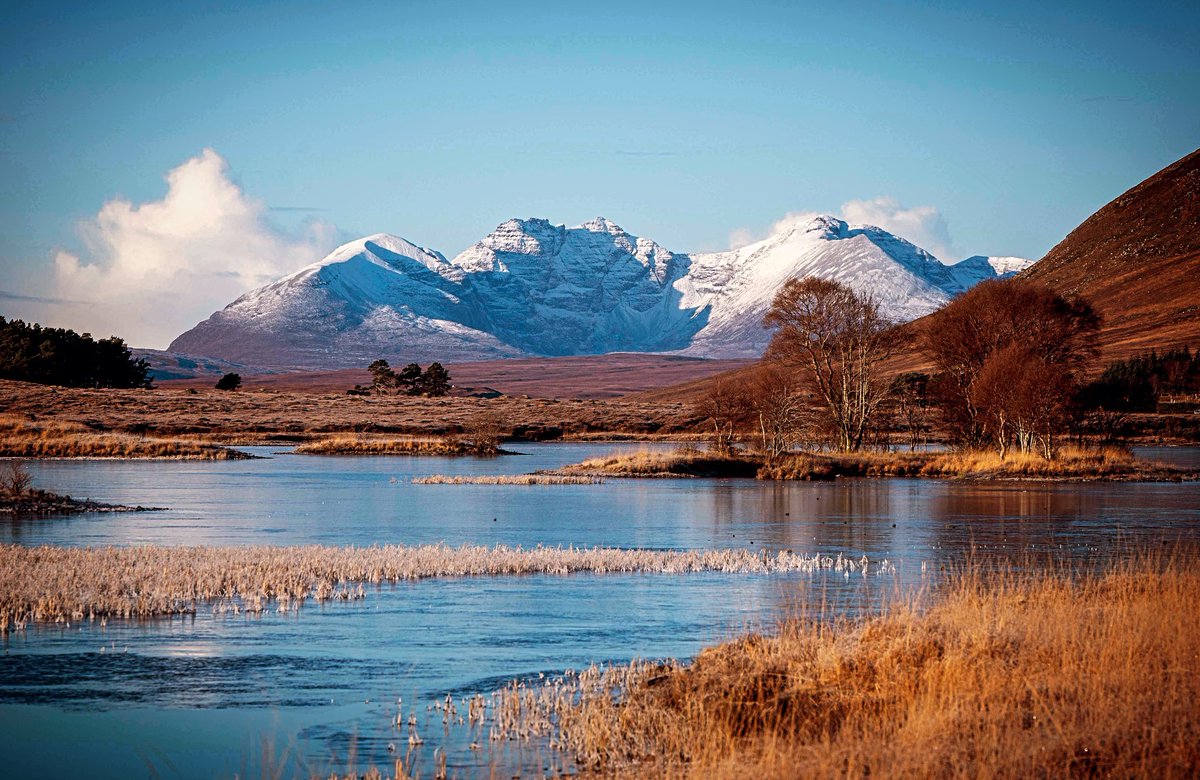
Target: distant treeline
[58, 356]
[1138, 384]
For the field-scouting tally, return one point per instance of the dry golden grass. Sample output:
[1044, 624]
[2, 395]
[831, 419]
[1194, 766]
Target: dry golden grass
[1002, 677]
[1101, 463]
[359, 444]
[1075, 463]
[62, 584]
[21, 438]
[507, 479]
[680, 462]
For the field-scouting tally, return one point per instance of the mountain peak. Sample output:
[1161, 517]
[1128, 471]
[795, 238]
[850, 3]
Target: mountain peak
[602, 225]
[535, 287]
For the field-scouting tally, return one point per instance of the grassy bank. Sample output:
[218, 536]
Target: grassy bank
[681, 462]
[506, 479]
[23, 438]
[1052, 676]
[1070, 463]
[62, 584]
[360, 444]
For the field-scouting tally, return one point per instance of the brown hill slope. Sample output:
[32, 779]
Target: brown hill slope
[1138, 261]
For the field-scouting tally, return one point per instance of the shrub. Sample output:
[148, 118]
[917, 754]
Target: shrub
[230, 381]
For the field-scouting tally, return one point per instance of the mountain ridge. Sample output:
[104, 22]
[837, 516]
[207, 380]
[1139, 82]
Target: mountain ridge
[531, 287]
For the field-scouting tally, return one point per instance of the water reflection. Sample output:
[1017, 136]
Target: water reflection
[193, 697]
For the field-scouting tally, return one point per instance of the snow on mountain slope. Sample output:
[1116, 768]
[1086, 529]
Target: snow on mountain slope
[738, 286]
[970, 272]
[379, 295]
[552, 290]
[532, 287]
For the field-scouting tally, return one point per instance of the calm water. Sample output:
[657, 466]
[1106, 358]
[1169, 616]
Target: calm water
[210, 695]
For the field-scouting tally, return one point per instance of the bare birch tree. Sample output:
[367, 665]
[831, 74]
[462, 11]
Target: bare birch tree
[837, 340]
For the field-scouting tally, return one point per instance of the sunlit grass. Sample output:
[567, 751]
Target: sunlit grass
[1109, 463]
[506, 479]
[678, 462]
[1006, 676]
[22, 438]
[360, 444]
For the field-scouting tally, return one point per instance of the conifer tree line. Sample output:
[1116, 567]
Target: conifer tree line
[59, 356]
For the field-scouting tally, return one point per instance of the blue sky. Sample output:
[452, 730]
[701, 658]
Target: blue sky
[694, 124]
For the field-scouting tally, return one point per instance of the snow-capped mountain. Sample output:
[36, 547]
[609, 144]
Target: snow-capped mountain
[534, 288]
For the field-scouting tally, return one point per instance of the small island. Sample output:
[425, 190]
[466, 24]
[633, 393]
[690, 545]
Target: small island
[19, 498]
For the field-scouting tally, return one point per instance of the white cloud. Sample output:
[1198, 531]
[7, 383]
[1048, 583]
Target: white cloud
[922, 225]
[152, 270]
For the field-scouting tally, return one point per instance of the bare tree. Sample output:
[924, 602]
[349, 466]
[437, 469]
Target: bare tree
[836, 339]
[911, 393]
[724, 405]
[485, 432]
[1023, 399]
[15, 479]
[990, 317]
[781, 408]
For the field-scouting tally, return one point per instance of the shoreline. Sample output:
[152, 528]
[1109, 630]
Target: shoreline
[41, 503]
[1072, 465]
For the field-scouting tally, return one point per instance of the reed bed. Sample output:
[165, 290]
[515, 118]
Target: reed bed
[22, 438]
[1075, 463]
[680, 462]
[1003, 676]
[63, 584]
[359, 444]
[507, 479]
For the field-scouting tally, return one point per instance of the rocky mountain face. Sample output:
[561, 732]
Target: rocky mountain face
[534, 288]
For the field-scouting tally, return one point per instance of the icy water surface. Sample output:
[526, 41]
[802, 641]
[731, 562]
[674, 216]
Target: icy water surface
[211, 695]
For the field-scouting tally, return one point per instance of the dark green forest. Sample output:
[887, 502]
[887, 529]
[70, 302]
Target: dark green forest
[59, 356]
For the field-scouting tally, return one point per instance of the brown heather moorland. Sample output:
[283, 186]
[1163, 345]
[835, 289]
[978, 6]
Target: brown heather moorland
[1001, 675]
[248, 417]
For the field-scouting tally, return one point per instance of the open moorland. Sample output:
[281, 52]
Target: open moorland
[249, 416]
[584, 377]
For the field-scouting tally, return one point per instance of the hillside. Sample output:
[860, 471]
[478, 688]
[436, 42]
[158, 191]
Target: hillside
[1138, 261]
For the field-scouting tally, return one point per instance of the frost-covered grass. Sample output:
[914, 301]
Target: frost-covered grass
[507, 479]
[23, 438]
[1003, 676]
[62, 584]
